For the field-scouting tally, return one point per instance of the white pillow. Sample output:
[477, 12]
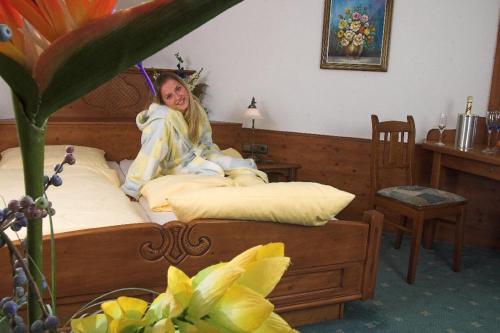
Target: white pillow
[86, 156]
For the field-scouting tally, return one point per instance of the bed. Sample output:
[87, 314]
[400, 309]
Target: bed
[331, 265]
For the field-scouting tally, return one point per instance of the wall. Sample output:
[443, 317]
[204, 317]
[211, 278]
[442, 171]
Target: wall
[440, 52]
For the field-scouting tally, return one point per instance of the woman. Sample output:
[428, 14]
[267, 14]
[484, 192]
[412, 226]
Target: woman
[177, 139]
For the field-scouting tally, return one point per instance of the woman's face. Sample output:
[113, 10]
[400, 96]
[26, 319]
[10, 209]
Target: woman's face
[174, 95]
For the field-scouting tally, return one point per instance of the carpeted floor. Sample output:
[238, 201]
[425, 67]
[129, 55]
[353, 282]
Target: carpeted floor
[439, 301]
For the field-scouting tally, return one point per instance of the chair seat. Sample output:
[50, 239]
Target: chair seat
[420, 196]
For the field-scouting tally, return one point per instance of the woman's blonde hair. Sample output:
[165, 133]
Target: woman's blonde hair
[193, 113]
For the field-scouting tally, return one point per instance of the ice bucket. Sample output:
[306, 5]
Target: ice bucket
[466, 130]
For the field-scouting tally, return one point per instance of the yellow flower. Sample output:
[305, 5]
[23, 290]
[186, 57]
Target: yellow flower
[347, 11]
[241, 310]
[124, 314]
[92, 324]
[355, 25]
[366, 31]
[179, 290]
[340, 34]
[162, 326]
[342, 24]
[275, 324]
[211, 290]
[358, 40]
[231, 296]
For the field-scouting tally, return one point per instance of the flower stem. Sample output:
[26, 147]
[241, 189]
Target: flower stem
[31, 139]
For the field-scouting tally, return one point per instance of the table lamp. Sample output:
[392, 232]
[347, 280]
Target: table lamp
[252, 113]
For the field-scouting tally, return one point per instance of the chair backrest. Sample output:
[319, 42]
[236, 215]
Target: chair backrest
[393, 149]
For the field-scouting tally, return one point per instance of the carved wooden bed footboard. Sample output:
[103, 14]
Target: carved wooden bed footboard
[330, 265]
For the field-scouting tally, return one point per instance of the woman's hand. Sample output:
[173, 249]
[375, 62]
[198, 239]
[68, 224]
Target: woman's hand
[131, 198]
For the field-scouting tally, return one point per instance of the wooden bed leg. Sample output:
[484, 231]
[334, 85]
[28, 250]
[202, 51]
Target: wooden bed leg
[375, 220]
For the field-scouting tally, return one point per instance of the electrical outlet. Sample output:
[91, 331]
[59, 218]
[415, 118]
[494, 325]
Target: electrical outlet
[258, 148]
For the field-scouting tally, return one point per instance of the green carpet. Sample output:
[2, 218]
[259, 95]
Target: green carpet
[439, 301]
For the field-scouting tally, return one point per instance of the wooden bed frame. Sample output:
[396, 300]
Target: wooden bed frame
[331, 264]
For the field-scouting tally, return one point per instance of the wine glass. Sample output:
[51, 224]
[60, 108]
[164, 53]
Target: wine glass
[490, 126]
[441, 127]
[497, 130]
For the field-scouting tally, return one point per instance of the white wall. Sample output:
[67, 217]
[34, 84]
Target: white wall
[440, 52]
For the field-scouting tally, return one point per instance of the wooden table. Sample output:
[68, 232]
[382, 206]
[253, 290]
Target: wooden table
[279, 171]
[471, 161]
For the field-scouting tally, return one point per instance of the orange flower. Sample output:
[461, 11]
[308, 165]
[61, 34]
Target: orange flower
[38, 23]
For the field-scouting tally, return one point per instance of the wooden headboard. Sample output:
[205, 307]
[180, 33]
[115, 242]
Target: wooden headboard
[105, 119]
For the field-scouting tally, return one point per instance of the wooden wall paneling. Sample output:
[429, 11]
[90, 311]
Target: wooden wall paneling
[337, 161]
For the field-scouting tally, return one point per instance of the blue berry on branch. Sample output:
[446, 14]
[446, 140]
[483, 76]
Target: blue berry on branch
[26, 201]
[51, 211]
[51, 323]
[36, 213]
[18, 320]
[21, 219]
[41, 202]
[14, 205]
[16, 227]
[9, 309]
[70, 159]
[19, 328]
[19, 292]
[37, 326]
[3, 301]
[18, 264]
[20, 280]
[58, 168]
[5, 33]
[56, 180]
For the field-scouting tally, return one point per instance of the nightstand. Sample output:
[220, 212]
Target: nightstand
[279, 171]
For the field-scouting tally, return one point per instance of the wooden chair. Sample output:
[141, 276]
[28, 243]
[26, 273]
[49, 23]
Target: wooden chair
[392, 153]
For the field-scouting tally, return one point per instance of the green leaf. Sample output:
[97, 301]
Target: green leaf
[21, 83]
[125, 41]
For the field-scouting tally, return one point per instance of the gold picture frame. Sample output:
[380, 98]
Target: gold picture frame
[356, 34]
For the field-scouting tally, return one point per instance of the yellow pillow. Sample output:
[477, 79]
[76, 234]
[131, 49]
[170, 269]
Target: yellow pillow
[158, 191]
[87, 156]
[302, 203]
[231, 152]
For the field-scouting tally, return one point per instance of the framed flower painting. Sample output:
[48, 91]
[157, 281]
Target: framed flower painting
[356, 34]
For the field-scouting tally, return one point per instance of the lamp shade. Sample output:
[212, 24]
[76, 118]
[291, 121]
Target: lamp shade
[252, 113]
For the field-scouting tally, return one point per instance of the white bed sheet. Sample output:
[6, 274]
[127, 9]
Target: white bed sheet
[89, 198]
[121, 176]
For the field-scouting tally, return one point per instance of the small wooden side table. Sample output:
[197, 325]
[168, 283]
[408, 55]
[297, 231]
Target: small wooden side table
[279, 171]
